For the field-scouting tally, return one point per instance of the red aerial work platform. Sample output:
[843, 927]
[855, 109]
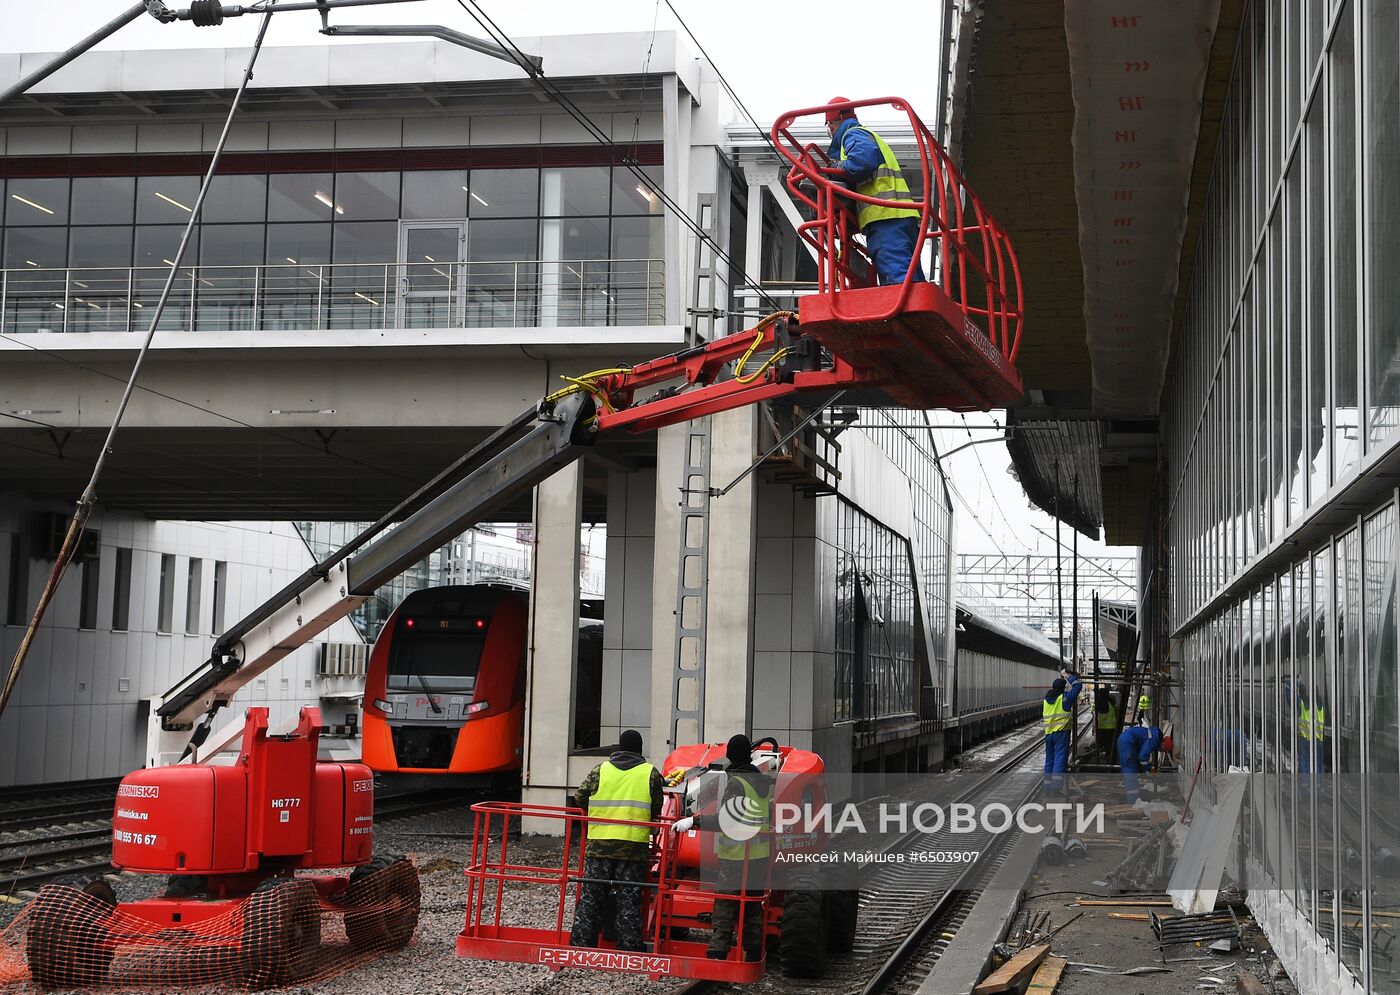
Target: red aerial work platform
[948, 342]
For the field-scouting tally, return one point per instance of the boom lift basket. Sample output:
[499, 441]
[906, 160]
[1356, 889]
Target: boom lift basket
[947, 343]
[497, 868]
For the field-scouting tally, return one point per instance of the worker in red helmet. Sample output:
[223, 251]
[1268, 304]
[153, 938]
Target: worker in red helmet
[865, 163]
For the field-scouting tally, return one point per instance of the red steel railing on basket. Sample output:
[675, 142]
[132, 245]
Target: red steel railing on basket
[494, 864]
[973, 259]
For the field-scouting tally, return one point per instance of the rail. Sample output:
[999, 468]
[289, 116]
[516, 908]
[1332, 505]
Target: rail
[973, 259]
[300, 297]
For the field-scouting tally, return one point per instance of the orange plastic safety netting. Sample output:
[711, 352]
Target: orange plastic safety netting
[285, 933]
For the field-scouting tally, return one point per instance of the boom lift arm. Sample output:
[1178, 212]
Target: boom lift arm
[690, 384]
[951, 342]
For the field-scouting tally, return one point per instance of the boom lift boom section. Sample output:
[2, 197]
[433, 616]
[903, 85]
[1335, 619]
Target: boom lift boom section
[950, 342]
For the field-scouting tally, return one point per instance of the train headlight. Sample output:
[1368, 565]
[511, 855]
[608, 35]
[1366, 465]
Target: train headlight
[384, 706]
[478, 706]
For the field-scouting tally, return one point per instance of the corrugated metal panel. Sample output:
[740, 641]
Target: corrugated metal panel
[1057, 462]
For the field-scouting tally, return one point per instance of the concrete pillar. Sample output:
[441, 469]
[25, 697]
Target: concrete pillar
[733, 533]
[674, 137]
[553, 645]
[670, 445]
[627, 630]
[728, 662]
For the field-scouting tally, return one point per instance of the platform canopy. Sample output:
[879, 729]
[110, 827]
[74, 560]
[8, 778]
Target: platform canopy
[1091, 133]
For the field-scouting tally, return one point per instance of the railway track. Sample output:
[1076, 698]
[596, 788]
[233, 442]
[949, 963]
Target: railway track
[908, 911]
[34, 852]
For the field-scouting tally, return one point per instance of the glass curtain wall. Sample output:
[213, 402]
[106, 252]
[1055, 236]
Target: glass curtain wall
[1290, 390]
[514, 247]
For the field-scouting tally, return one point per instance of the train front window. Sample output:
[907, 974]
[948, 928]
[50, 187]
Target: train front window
[447, 660]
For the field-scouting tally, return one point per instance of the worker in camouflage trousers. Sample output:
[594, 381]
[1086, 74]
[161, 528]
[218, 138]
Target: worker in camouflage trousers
[623, 787]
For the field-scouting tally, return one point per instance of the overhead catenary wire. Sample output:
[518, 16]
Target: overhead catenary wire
[89, 496]
[599, 135]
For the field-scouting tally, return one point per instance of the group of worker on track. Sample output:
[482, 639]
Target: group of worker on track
[1137, 743]
[627, 787]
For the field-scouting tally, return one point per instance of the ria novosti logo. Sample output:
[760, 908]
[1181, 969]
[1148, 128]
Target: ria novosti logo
[740, 818]
[959, 818]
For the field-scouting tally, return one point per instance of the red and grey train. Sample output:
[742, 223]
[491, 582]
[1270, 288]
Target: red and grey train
[445, 689]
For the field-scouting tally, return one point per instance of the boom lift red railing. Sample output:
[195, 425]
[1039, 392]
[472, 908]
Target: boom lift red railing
[498, 868]
[973, 258]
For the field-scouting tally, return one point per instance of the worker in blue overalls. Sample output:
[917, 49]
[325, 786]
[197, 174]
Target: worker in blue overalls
[865, 163]
[1058, 712]
[1135, 749]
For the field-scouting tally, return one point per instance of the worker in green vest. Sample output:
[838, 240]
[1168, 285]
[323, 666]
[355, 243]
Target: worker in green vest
[742, 828]
[622, 787]
[1143, 708]
[1105, 723]
[865, 163]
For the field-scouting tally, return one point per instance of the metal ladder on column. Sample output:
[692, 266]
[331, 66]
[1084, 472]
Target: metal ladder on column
[693, 551]
[692, 575]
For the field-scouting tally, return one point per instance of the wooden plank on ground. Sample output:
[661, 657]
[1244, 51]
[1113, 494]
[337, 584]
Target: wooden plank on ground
[1248, 984]
[1013, 972]
[1047, 976]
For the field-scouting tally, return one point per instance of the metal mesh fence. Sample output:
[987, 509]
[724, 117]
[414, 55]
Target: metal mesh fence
[291, 930]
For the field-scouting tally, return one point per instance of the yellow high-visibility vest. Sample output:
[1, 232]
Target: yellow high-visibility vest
[888, 183]
[755, 817]
[1312, 722]
[1144, 703]
[621, 794]
[1055, 714]
[1109, 719]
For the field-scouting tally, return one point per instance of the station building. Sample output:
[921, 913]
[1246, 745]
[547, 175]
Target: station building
[1204, 202]
[405, 246]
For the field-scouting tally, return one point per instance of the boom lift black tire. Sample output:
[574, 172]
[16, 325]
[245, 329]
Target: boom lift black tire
[802, 934]
[382, 905]
[66, 942]
[842, 910]
[281, 933]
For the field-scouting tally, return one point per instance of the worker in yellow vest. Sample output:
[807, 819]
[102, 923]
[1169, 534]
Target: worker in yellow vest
[1312, 733]
[622, 787]
[1105, 723]
[1143, 709]
[865, 163]
[743, 841]
[1058, 715]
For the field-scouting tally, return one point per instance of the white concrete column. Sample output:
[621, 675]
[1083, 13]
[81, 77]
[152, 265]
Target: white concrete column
[553, 646]
[551, 246]
[672, 144]
[670, 447]
[730, 620]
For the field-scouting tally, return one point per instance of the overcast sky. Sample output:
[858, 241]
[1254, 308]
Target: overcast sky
[776, 56]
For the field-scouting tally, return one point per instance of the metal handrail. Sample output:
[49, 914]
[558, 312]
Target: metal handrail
[299, 296]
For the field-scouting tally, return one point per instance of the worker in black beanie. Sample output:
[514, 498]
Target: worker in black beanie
[746, 805]
[623, 787]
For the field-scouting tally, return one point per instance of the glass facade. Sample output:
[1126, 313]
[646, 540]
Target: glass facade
[509, 247]
[1286, 393]
[883, 668]
[878, 650]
